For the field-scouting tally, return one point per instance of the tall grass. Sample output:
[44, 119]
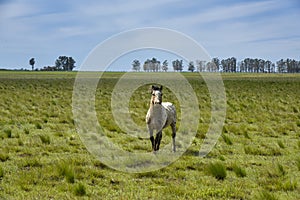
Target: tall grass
[45, 138]
[298, 163]
[4, 156]
[265, 195]
[217, 170]
[8, 133]
[239, 171]
[227, 139]
[80, 189]
[66, 170]
[1, 173]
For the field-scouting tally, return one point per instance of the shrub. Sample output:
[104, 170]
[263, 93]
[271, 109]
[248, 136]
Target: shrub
[217, 170]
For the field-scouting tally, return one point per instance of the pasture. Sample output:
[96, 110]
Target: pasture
[256, 157]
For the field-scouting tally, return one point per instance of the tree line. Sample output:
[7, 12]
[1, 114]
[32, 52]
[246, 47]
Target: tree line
[251, 65]
[62, 63]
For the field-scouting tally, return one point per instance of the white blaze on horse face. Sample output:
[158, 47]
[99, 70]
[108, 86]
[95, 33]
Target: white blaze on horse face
[157, 97]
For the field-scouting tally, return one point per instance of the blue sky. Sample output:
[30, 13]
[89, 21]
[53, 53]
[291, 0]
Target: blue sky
[267, 29]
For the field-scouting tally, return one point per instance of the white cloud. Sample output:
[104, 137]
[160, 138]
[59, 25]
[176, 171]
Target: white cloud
[16, 9]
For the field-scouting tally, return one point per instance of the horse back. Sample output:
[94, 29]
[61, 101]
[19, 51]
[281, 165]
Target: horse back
[171, 112]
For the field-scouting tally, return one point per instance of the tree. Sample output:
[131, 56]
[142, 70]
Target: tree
[281, 66]
[177, 65]
[146, 65]
[200, 64]
[152, 65]
[32, 62]
[155, 65]
[229, 65]
[191, 66]
[136, 65]
[216, 63]
[268, 66]
[165, 66]
[64, 63]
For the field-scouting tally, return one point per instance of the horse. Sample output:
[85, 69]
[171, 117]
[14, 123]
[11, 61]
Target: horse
[159, 116]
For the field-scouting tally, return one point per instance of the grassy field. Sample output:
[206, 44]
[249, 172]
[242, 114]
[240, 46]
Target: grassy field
[256, 157]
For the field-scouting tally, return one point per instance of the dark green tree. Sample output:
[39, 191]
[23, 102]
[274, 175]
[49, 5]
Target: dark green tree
[32, 62]
[191, 66]
[216, 63]
[136, 65]
[177, 65]
[64, 63]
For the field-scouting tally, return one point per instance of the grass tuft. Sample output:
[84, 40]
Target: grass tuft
[265, 195]
[227, 139]
[26, 131]
[280, 144]
[8, 133]
[246, 135]
[298, 163]
[80, 190]
[3, 157]
[217, 170]
[281, 169]
[38, 126]
[1, 172]
[66, 170]
[239, 172]
[289, 185]
[45, 139]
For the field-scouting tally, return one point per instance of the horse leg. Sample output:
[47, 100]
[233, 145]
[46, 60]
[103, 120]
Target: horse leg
[173, 125]
[157, 140]
[152, 139]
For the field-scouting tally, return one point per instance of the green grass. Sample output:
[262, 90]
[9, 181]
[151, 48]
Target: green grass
[239, 171]
[227, 139]
[8, 133]
[265, 195]
[217, 170]
[1, 172]
[4, 156]
[66, 170]
[45, 139]
[80, 190]
[298, 163]
[256, 157]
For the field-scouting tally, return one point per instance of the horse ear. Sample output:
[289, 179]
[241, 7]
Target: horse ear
[151, 89]
[161, 88]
